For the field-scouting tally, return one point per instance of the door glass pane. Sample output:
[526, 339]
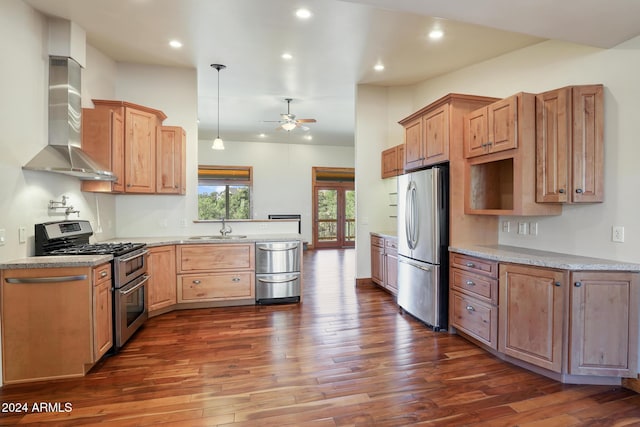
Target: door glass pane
[327, 215]
[349, 216]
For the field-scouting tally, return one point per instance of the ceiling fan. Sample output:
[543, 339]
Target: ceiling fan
[289, 121]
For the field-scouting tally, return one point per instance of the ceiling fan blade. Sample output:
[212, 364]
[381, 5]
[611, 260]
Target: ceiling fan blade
[306, 120]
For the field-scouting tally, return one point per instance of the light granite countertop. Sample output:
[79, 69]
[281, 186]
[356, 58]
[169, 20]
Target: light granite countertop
[188, 240]
[56, 261]
[391, 234]
[516, 255]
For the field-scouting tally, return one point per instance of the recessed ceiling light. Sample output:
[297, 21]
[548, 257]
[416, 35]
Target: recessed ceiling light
[378, 67]
[286, 56]
[176, 44]
[303, 13]
[436, 34]
[263, 135]
[308, 137]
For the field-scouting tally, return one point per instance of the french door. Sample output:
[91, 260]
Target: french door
[334, 215]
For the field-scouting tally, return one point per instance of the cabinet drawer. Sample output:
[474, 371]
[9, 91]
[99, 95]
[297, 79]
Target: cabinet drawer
[475, 265]
[101, 274]
[475, 318]
[377, 241]
[193, 258]
[481, 286]
[391, 245]
[216, 286]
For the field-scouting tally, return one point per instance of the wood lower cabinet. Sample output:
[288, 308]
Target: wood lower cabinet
[216, 272]
[162, 281]
[56, 322]
[377, 260]
[384, 262]
[570, 145]
[531, 314]
[604, 323]
[473, 298]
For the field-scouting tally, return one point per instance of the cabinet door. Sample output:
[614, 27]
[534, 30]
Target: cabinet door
[413, 155]
[391, 265]
[170, 160]
[102, 318]
[436, 136]
[475, 133]
[553, 135]
[587, 144]
[502, 124]
[377, 264]
[162, 281]
[400, 160]
[140, 151]
[604, 324]
[531, 312]
[103, 140]
[389, 162]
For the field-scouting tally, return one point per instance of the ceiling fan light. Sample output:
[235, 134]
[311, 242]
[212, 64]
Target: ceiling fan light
[288, 126]
[218, 144]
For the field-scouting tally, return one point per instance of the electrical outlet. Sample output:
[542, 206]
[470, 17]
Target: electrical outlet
[617, 234]
[183, 222]
[506, 226]
[523, 228]
[533, 228]
[3, 236]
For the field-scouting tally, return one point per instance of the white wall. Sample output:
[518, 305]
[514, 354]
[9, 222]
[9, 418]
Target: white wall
[281, 173]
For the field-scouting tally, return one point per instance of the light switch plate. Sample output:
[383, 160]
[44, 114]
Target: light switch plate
[22, 234]
[3, 236]
[523, 228]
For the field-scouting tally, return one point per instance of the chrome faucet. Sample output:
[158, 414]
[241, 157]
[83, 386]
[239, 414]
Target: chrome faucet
[226, 229]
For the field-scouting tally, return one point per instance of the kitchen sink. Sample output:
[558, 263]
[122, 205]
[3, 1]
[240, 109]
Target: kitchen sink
[219, 237]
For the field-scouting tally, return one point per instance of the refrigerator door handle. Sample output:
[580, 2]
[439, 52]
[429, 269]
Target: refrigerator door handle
[411, 226]
[421, 267]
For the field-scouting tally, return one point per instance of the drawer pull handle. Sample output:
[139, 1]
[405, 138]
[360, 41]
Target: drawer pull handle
[579, 190]
[470, 308]
[235, 279]
[470, 265]
[103, 274]
[577, 284]
[558, 284]
[561, 191]
[196, 282]
[470, 283]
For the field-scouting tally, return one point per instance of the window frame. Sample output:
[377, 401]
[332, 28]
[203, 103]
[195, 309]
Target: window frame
[227, 176]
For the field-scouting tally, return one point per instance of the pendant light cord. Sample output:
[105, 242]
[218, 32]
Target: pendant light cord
[218, 67]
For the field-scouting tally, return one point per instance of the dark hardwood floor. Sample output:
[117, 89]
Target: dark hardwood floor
[345, 357]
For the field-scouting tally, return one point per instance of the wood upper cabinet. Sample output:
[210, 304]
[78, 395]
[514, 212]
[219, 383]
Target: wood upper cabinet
[170, 160]
[427, 138]
[492, 128]
[129, 148]
[531, 314]
[392, 160]
[162, 282]
[103, 140]
[604, 324]
[413, 146]
[570, 145]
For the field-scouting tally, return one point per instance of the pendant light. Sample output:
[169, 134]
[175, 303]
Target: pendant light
[217, 143]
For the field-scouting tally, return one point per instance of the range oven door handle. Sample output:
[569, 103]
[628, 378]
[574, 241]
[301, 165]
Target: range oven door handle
[54, 279]
[136, 287]
[274, 249]
[146, 251]
[287, 280]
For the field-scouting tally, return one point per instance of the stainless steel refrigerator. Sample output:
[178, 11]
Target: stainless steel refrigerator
[423, 239]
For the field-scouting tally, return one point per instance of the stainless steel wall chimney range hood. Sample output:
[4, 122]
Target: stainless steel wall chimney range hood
[63, 154]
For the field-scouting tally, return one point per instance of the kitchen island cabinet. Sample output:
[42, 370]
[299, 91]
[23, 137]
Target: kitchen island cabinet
[56, 322]
[162, 280]
[574, 319]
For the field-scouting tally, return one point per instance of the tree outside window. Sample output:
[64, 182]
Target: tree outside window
[224, 193]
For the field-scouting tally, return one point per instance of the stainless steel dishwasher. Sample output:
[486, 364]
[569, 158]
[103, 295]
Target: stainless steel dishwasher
[278, 276]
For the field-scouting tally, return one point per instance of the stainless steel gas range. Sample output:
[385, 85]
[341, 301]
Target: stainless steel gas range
[129, 268]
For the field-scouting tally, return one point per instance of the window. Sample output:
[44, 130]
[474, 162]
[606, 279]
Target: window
[224, 192]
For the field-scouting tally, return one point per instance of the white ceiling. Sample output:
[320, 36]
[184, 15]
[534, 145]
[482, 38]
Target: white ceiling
[332, 51]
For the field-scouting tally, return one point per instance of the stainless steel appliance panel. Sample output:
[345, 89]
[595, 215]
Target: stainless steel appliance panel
[276, 286]
[278, 257]
[419, 291]
[130, 309]
[130, 266]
